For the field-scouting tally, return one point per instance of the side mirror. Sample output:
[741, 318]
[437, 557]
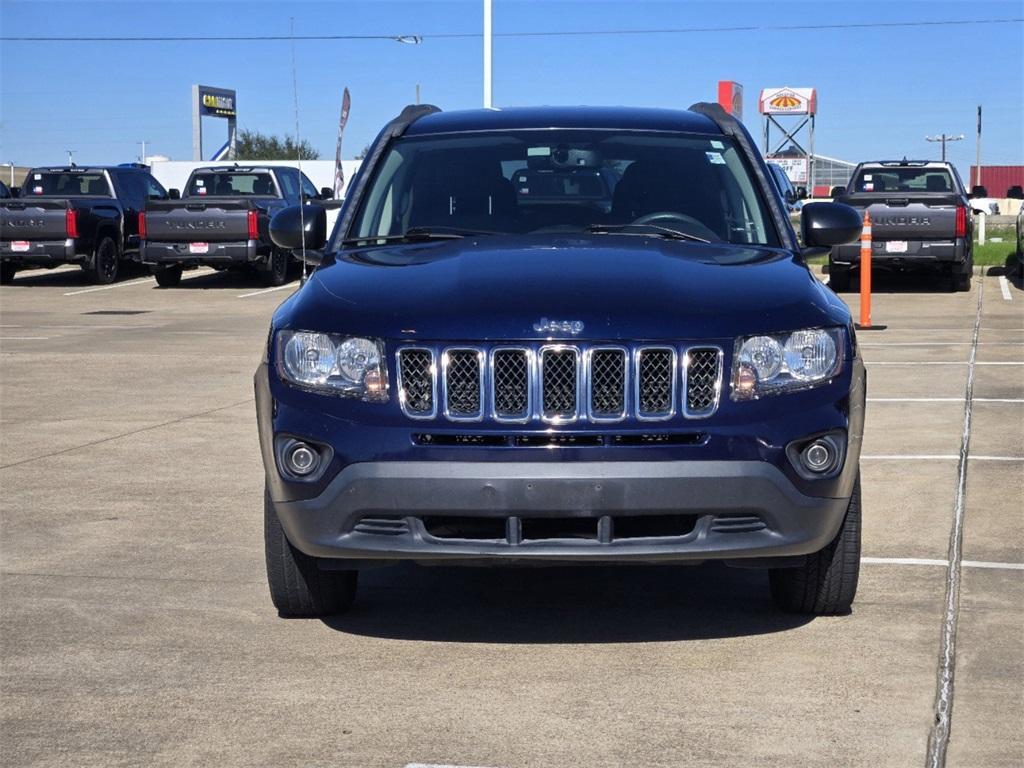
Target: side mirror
[837, 192]
[174, 194]
[287, 231]
[823, 225]
[791, 196]
[326, 193]
[801, 193]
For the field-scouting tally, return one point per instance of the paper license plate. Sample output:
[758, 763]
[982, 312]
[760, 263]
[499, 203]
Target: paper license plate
[896, 246]
[20, 246]
[198, 247]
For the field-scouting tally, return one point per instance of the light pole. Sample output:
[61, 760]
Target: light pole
[11, 163]
[143, 158]
[487, 54]
[944, 138]
[71, 153]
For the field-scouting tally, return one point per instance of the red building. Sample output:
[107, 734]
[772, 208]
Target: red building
[997, 179]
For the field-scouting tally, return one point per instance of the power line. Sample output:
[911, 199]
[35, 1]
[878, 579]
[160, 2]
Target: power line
[415, 38]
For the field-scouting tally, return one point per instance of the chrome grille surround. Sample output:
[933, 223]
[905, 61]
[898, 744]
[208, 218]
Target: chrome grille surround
[417, 382]
[607, 383]
[655, 374]
[554, 384]
[702, 381]
[507, 366]
[462, 376]
[560, 377]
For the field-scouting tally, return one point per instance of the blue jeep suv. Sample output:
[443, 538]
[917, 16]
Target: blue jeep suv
[562, 335]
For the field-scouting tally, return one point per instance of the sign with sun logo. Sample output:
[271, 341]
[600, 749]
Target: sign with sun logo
[788, 101]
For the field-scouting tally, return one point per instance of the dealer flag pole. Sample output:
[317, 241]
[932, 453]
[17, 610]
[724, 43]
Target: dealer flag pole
[339, 173]
[487, 54]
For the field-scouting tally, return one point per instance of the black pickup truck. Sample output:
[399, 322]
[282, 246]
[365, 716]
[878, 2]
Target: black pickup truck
[221, 221]
[75, 215]
[920, 217]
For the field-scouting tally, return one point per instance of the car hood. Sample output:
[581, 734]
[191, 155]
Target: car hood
[619, 287]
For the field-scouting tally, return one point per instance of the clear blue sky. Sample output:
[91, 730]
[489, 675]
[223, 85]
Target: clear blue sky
[880, 90]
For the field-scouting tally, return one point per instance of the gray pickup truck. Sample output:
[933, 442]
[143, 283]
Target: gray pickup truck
[920, 217]
[221, 221]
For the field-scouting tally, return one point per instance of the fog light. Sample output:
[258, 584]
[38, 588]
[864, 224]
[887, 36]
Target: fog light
[818, 456]
[301, 459]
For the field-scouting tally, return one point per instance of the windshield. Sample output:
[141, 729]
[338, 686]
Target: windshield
[230, 184]
[57, 184]
[556, 181]
[885, 179]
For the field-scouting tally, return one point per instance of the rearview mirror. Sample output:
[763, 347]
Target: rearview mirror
[174, 194]
[823, 225]
[296, 226]
[326, 193]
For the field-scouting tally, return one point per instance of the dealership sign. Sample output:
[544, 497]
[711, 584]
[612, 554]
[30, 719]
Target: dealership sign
[216, 102]
[795, 168]
[788, 101]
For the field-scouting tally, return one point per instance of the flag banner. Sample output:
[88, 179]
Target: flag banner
[339, 174]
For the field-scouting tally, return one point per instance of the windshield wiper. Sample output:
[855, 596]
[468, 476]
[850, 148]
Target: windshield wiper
[419, 234]
[649, 229]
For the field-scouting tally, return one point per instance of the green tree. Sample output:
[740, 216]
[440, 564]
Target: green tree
[363, 153]
[253, 145]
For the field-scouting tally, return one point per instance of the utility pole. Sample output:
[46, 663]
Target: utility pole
[944, 138]
[977, 153]
[487, 54]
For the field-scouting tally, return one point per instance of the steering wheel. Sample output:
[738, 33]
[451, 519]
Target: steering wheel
[692, 225]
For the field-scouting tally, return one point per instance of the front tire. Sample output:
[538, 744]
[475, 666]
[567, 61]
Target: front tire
[106, 262]
[275, 272]
[838, 277]
[7, 273]
[167, 277]
[826, 583]
[297, 585]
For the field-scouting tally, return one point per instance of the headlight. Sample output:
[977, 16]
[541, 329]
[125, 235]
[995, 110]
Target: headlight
[771, 365]
[342, 365]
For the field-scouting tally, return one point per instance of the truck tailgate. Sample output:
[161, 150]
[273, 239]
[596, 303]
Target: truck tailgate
[33, 220]
[179, 221]
[913, 218]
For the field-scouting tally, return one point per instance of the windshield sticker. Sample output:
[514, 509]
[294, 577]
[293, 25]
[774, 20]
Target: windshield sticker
[867, 177]
[524, 191]
[199, 182]
[717, 145]
[715, 158]
[37, 176]
[869, 187]
[538, 151]
[37, 190]
[201, 190]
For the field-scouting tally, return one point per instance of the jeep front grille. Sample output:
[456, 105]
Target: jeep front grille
[559, 384]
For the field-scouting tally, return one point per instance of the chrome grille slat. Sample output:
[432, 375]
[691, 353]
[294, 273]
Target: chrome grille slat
[606, 377]
[417, 382]
[559, 383]
[702, 373]
[463, 384]
[655, 383]
[510, 384]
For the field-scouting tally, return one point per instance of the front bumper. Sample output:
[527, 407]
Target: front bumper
[41, 253]
[561, 512]
[225, 254]
[917, 253]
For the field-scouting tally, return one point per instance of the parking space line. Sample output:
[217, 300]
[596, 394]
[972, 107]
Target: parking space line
[937, 562]
[268, 290]
[24, 338]
[996, 458]
[910, 457]
[114, 285]
[870, 363]
[943, 400]
[1004, 286]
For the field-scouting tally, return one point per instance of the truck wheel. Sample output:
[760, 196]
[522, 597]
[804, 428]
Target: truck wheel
[105, 262]
[167, 277]
[838, 277]
[827, 581]
[7, 274]
[276, 270]
[297, 585]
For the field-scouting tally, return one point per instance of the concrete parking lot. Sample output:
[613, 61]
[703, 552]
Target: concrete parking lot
[137, 628]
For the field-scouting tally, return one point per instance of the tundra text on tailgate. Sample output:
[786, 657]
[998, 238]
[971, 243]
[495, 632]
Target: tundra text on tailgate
[634, 366]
